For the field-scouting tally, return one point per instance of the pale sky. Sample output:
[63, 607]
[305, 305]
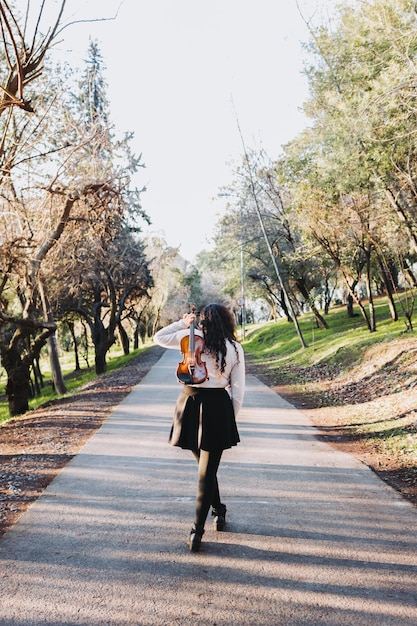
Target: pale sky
[178, 73]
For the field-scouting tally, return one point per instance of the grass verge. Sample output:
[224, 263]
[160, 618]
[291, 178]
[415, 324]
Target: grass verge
[74, 380]
[359, 387]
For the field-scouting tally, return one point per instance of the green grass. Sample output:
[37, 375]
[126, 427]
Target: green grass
[342, 345]
[277, 350]
[73, 380]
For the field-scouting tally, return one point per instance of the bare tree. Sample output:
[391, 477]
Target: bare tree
[48, 207]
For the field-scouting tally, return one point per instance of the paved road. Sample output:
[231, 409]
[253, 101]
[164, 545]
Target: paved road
[314, 537]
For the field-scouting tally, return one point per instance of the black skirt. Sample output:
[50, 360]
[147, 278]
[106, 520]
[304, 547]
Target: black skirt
[204, 419]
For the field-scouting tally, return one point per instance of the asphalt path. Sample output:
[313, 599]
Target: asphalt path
[313, 537]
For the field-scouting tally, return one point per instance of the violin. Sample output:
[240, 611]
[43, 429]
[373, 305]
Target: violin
[192, 370]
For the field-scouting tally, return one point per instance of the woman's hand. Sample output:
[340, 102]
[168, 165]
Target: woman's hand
[188, 318]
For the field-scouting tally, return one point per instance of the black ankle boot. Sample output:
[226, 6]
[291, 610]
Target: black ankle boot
[194, 541]
[219, 514]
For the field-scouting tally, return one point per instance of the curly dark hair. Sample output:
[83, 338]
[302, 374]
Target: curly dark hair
[218, 324]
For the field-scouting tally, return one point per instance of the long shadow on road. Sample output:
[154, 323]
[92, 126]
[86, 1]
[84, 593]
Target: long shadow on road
[313, 536]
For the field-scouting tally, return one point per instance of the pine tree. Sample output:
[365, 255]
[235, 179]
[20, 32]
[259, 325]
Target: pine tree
[93, 89]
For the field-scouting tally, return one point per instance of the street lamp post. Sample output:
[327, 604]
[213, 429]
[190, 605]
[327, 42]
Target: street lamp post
[258, 212]
[243, 305]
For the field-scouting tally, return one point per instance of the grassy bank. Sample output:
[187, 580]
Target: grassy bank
[340, 347]
[73, 379]
[360, 387]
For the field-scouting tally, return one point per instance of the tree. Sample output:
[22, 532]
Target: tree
[23, 64]
[23, 58]
[49, 201]
[23, 335]
[103, 267]
[356, 158]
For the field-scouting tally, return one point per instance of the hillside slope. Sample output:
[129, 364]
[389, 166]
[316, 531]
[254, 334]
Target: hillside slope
[369, 410]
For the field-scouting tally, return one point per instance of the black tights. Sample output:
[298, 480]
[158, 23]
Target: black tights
[208, 488]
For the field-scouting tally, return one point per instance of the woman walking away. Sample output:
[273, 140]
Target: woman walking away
[204, 419]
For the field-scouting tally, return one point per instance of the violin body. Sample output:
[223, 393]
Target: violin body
[192, 370]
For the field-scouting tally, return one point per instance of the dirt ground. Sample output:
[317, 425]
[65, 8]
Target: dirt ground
[366, 410]
[330, 422]
[35, 447]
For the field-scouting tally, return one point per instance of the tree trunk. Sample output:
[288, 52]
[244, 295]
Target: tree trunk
[102, 343]
[328, 294]
[349, 306]
[37, 377]
[124, 339]
[100, 359]
[86, 352]
[409, 322]
[283, 304]
[351, 291]
[372, 319]
[136, 338]
[99, 337]
[389, 288]
[58, 378]
[350, 299]
[102, 337]
[321, 322]
[71, 327]
[59, 383]
[18, 381]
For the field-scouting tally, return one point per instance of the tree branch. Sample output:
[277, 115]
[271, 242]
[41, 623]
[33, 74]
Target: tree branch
[26, 322]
